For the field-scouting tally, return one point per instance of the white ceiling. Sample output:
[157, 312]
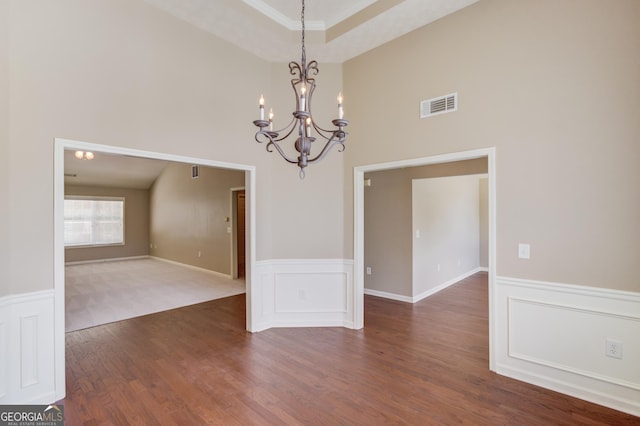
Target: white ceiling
[116, 171]
[336, 30]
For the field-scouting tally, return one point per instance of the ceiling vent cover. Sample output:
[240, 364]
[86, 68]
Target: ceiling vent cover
[439, 105]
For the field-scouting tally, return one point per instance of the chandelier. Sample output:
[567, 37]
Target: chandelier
[302, 124]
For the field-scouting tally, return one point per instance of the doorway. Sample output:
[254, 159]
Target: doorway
[60, 145]
[359, 267]
[238, 233]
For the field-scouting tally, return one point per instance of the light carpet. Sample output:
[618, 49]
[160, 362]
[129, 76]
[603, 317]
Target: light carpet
[104, 292]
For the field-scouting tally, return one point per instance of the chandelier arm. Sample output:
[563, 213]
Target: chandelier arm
[328, 147]
[273, 135]
[273, 143]
[290, 128]
[326, 134]
[281, 152]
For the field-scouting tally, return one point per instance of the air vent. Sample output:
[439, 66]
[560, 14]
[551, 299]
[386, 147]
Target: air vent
[439, 105]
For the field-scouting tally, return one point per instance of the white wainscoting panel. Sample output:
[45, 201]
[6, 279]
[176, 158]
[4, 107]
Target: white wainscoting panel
[304, 293]
[553, 335]
[312, 293]
[29, 350]
[27, 354]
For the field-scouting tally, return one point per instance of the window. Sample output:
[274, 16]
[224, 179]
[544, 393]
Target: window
[93, 221]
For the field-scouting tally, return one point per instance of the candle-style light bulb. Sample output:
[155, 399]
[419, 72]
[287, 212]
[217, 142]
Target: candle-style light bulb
[261, 102]
[340, 110]
[308, 130]
[271, 119]
[303, 99]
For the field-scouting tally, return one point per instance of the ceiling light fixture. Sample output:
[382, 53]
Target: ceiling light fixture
[304, 84]
[84, 155]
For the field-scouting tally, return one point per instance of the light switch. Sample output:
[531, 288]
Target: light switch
[524, 251]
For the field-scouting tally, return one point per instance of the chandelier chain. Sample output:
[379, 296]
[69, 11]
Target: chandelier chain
[304, 52]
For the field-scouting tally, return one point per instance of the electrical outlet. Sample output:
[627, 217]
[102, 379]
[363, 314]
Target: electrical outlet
[613, 348]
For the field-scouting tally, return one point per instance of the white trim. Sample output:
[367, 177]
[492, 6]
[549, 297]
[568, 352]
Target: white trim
[60, 145]
[444, 285]
[58, 267]
[586, 393]
[390, 296]
[563, 366]
[553, 334]
[26, 346]
[574, 289]
[295, 25]
[358, 228]
[195, 268]
[304, 293]
[303, 262]
[423, 295]
[110, 259]
[282, 19]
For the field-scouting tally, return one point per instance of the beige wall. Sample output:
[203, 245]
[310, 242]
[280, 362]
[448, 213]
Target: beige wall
[136, 224]
[124, 73]
[388, 222]
[530, 76]
[446, 213]
[5, 218]
[188, 216]
[387, 232]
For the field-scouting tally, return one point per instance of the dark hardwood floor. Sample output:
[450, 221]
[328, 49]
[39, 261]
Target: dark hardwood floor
[421, 364]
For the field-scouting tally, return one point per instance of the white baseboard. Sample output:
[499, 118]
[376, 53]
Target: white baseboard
[112, 259]
[445, 285]
[303, 293]
[119, 259]
[197, 268]
[387, 295]
[553, 335]
[27, 348]
[430, 292]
